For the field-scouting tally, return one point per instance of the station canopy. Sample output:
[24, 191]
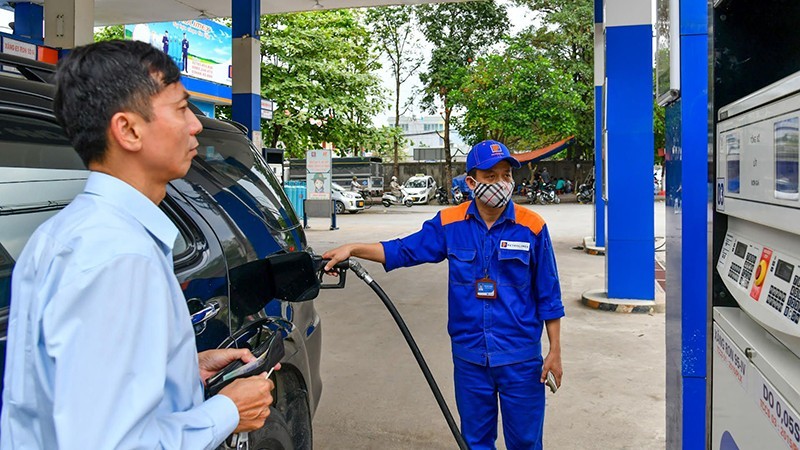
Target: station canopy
[116, 12]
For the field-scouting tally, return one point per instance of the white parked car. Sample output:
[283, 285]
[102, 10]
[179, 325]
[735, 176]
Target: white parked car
[346, 200]
[421, 188]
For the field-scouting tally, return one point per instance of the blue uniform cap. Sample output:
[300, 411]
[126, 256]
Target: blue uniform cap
[484, 155]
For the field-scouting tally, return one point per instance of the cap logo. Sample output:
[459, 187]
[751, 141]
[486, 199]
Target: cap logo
[496, 150]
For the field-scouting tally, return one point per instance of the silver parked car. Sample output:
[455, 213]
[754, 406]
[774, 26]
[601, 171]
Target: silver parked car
[346, 200]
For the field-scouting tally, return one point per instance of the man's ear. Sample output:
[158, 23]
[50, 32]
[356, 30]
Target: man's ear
[125, 130]
[471, 183]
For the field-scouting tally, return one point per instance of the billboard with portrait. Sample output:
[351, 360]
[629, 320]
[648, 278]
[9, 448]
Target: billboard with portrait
[200, 48]
[318, 174]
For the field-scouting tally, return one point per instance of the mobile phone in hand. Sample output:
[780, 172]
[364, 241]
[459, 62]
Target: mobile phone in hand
[551, 382]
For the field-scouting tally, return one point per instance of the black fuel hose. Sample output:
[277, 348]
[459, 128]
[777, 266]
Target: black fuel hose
[359, 270]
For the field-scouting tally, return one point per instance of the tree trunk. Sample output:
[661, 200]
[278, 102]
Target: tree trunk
[448, 166]
[396, 170]
[276, 133]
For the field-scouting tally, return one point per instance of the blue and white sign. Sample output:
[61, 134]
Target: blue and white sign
[200, 48]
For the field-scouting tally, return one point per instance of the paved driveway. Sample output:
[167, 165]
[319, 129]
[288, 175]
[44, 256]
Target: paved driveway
[375, 397]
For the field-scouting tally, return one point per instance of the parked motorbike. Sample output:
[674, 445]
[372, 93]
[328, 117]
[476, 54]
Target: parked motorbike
[585, 193]
[543, 194]
[389, 198]
[441, 196]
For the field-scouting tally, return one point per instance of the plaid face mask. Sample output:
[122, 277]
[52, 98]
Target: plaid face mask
[495, 195]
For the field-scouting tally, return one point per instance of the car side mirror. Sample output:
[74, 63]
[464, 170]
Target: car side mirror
[289, 277]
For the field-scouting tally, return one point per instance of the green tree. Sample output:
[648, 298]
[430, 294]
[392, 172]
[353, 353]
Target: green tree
[318, 68]
[565, 35]
[392, 31]
[459, 33]
[518, 98]
[110, 33]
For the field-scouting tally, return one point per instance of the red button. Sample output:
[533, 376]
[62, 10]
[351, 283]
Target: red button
[758, 273]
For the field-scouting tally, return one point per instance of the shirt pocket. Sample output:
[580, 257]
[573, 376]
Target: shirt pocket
[462, 265]
[515, 267]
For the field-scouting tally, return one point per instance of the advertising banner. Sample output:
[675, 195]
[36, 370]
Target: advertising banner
[200, 48]
[318, 174]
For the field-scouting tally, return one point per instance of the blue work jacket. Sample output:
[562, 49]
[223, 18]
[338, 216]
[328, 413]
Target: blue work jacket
[516, 253]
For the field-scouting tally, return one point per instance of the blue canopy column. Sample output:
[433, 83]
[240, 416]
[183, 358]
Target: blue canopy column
[29, 21]
[599, 236]
[627, 159]
[246, 89]
[687, 234]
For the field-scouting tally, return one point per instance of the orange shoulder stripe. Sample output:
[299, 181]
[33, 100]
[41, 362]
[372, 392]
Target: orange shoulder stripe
[454, 213]
[528, 218]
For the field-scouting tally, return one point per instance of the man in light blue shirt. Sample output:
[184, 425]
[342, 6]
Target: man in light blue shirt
[101, 352]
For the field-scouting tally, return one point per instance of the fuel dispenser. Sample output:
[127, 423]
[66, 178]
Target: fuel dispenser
[755, 342]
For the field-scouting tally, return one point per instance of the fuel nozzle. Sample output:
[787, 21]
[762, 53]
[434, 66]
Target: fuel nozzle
[339, 270]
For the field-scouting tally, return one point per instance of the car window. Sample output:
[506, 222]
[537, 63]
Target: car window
[237, 167]
[337, 187]
[415, 183]
[40, 173]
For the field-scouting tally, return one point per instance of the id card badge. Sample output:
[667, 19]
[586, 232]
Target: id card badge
[486, 289]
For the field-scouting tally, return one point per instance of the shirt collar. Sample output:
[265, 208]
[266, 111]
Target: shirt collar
[126, 198]
[508, 213]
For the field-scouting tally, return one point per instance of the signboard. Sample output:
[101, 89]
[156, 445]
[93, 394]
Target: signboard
[28, 50]
[200, 48]
[19, 48]
[267, 106]
[318, 174]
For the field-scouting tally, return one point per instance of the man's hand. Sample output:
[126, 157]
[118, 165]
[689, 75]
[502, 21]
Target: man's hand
[212, 361]
[337, 255]
[552, 363]
[372, 252]
[252, 397]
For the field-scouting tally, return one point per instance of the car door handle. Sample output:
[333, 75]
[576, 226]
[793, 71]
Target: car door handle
[209, 311]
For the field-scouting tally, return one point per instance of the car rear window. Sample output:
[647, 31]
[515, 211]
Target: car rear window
[238, 168]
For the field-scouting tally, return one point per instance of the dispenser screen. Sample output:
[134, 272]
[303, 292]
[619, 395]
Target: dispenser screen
[740, 250]
[732, 150]
[784, 270]
[787, 148]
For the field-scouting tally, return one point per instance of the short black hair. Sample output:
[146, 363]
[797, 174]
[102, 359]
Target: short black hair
[472, 173]
[98, 80]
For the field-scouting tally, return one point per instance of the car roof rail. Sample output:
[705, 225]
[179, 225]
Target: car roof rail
[239, 126]
[30, 69]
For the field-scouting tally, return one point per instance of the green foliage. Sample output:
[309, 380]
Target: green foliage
[565, 36]
[381, 142]
[110, 33]
[459, 33]
[519, 98]
[659, 131]
[317, 67]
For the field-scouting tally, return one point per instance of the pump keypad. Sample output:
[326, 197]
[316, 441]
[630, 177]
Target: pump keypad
[747, 271]
[792, 311]
[735, 272]
[776, 298]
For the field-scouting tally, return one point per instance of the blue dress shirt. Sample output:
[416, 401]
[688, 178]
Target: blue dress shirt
[101, 352]
[516, 253]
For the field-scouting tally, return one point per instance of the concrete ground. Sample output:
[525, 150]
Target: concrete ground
[375, 397]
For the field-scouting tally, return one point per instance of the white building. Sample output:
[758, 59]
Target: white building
[425, 136]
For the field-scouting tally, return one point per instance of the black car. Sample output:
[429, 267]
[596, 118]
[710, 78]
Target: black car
[231, 212]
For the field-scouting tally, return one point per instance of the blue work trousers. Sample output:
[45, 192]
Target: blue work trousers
[521, 403]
